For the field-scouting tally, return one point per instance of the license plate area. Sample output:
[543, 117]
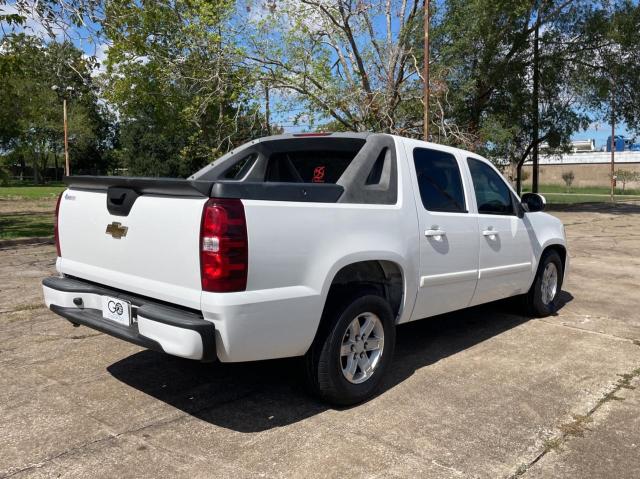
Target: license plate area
[117, 310]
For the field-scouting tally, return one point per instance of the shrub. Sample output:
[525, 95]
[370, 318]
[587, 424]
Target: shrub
[626, 175]
[568, 178]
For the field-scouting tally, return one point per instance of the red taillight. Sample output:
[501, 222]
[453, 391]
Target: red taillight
[56, 233]
[223, 246]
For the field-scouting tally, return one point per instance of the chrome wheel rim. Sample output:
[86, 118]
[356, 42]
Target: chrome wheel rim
[361, 349]
[549, 283]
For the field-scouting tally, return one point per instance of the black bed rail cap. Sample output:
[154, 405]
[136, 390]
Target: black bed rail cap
[142, 185]
[301, 192]
[276, 191]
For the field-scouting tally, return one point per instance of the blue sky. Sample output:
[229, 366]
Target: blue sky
[600, 132]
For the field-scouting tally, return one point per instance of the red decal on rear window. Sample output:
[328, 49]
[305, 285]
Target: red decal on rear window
[318, 174]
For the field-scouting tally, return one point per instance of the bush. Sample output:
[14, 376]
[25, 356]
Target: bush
[626, 175]
[568, 178]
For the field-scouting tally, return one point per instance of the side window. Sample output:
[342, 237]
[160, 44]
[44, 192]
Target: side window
[492, 194]
[240, 167]
[375, 175]
[439, 181]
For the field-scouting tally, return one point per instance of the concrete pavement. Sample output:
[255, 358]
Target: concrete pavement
[480, 393]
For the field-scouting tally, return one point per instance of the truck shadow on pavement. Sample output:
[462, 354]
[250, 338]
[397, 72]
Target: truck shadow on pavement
[257, 396]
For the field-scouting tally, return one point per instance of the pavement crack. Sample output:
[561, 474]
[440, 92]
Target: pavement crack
[590, 331]
[24, 307]
[111, 436]
[450, 469]
[577, 427]
[53, 458]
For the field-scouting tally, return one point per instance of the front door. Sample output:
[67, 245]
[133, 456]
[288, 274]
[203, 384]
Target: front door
[506, 254]
[448, 233]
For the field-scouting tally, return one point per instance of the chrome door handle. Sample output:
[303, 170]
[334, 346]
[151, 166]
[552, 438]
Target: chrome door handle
[435, 232]
[490, 232]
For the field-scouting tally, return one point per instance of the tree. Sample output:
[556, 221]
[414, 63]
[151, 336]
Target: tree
[34, 73]
[626, 176]
[175, 77]
[484, 51]
[610, 75]
[568, 178]
[349, 65]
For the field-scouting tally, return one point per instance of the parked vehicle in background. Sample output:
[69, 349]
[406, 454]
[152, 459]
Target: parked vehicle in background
[311, 245]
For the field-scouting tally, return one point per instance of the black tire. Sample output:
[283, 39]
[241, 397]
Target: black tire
[534, 305]
[323, 364]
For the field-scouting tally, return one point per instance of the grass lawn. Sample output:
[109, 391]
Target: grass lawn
[585, 190]
[25, 225]
[30, 192]
[559, 194]
[554, 199]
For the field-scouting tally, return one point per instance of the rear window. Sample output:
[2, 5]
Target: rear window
[308, 166]
[288, 160]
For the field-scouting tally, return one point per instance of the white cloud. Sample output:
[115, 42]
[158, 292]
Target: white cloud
[99, 53]
[32, 26]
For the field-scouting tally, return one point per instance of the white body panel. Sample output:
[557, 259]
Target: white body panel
[295, 251]
[506, 261]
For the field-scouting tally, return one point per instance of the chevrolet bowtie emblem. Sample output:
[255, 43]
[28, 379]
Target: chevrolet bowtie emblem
[116, 230]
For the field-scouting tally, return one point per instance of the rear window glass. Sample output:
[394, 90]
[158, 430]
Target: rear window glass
[439, 181]
[308, 166]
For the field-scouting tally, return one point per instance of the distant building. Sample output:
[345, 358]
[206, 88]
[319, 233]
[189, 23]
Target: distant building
[623, 144]
[577, 146]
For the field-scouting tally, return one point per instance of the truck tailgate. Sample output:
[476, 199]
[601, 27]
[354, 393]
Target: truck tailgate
[158, 256]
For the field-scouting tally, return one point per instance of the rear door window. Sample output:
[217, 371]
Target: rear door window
[439, 181]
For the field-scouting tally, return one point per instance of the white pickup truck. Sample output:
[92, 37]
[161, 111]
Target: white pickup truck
[312, 245]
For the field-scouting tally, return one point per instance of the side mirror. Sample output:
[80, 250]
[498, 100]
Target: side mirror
[533, 202]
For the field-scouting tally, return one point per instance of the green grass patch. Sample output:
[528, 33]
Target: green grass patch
[25, 225]
[583, 190]
[556, 199]
[30, 192]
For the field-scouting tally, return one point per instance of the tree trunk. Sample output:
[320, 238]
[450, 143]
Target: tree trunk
[36, 173]
[23, 167]
[55, 163]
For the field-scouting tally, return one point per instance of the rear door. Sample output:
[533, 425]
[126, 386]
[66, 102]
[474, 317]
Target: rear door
[506, 253]
[448, 233]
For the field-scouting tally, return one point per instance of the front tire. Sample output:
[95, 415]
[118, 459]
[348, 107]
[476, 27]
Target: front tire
[352, 352]
[540, 301]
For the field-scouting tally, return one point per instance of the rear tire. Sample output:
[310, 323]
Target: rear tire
[540, 301]
[352, 351]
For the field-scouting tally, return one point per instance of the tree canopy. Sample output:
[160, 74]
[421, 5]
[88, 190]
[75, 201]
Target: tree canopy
[35, 79]
[183, 81]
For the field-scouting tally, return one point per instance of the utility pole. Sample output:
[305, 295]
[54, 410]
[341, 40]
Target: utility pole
[536, 111]
[426, 70]
[613, 138]
[267, 109]
[64, 93]
[67, 170]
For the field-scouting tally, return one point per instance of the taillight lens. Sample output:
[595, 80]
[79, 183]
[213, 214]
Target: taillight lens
[223, 246]
[56, 233]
